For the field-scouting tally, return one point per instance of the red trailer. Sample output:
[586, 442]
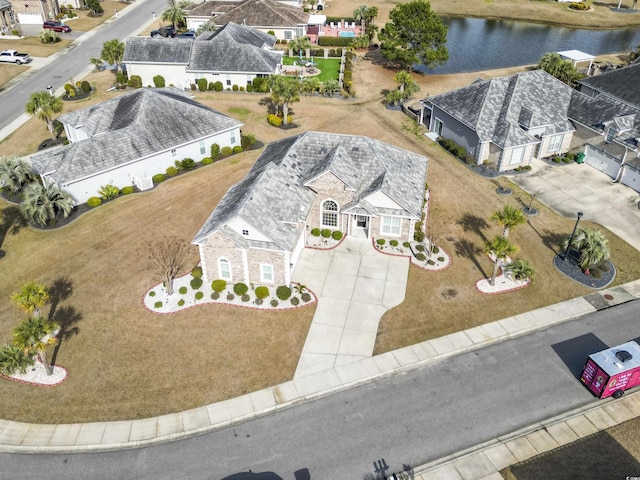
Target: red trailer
[612, 371]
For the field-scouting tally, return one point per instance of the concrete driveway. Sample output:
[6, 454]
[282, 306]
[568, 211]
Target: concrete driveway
[355, 285]
[572, 188]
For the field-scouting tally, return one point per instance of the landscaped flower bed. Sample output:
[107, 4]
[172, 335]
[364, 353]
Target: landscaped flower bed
[418, 252]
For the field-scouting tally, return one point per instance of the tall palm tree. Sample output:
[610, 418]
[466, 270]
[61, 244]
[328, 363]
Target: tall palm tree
[592, 247]
[112, 52]
[550, 62]
[42, 203]
[500, 248]
[509, 218]
[44, 106]
[360, 13]
[284, 92]
[34, 335]
[300, 44]
[406, 84]
[13, 359]
[520, 269]
[31, 297]
[175, 15]
[14, 173]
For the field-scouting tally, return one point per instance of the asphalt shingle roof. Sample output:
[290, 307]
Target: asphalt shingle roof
[157, 50]
[622, 83]
[273, 196]
[127, 128]
[262, 13]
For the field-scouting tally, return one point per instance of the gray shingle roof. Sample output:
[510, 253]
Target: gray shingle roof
[207, 9]
[273, 196]
[235, 48]
[157, 50]
[622, 83]
[263, 13]
[127, 128]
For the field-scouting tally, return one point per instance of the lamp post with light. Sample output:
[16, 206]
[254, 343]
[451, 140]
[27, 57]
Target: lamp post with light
[575, 227]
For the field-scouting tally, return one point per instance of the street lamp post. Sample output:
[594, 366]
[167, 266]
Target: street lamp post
[575, 227]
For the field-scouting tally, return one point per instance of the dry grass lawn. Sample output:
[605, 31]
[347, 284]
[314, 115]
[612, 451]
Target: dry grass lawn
[9, 71]
[125, 362]
[33, 46]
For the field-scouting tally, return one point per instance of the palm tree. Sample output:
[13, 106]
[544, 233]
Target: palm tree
[14, 173]
[406, 84]
[330, 87]
[34, 335]
[44, 105]
[500, 248]
[42, 203]
[112, 52]
[520, 269]
[210, 26]
[360, 13]
[592, 247]
[300, 44]
[49, 36]
[31, 297]
[284, 92]
[311, 85]
[550, 62]
[13, 359]
[175, 15]
[509, 218]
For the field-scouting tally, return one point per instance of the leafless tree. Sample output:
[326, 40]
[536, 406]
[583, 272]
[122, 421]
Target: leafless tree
[167, 258]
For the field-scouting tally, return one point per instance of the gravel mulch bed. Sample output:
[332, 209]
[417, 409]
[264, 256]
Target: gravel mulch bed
[572, 270]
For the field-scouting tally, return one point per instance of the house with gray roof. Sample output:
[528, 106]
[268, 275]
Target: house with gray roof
[354, 184]
[284, 20]
[128, 139]
[234, 55]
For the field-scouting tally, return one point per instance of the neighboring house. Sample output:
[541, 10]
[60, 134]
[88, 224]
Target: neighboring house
[285, 21]
[234, 55]
[504, 121]
[7, 16]
[34, 12]
[354, 184]
[128, 139]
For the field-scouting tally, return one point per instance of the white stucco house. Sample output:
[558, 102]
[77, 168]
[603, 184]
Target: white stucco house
[234, 55]
[128, 139]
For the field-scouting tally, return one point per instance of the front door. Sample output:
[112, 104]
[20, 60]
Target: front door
[361, 227]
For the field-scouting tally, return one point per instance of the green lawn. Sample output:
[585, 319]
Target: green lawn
[329, 67]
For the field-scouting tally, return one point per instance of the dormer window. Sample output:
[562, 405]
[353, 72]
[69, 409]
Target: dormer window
[611, 134]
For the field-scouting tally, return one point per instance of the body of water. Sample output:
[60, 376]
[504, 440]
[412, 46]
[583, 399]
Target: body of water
[479, 44]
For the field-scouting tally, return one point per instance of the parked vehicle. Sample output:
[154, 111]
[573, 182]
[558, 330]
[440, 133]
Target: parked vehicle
[612, 371]
[12, 56]
[56, 26]
[167, 31]
[189, 34]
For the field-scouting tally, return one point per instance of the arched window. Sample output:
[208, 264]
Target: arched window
[329, 213]
[224, 269]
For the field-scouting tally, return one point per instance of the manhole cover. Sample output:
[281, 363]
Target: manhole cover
[608, 296]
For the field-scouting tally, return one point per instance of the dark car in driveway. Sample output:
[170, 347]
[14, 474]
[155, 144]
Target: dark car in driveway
[56, 26]
[189, 34]
[167, 31]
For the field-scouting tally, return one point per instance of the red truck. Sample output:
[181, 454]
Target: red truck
[612, 371]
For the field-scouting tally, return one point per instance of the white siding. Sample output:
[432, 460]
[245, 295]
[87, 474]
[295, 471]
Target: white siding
[238, 225]
[380, 199]
[173, 74]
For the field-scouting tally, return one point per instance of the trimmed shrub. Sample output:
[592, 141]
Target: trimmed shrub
[182, 290]
[85, 86]
[435, 250]
[158, 305]
[206, 161]
[188, 164]
[109, 192]
[240, 288]
[135, 81]
[557, 159]
[274, 120]
[441, 259]
[418, 234]
[230, 296]
[295, 301]
[453, 148]
[325, 232]
[421, 256]
[158, 178]
[247, 140]
[249, 88]
[196, 283]
[215, 151]
[274, 303]
[193, 86]
[430, 262]
[158, 81]
[406, 244]
[128, 190]
[393, 243]
[566, 159]
[420, 248]
[94, 202]
[334, 41]
[381, 241]
[259, 301]
[283, 292]
[259, 85]
[306, 297]
[218, 87]
[152, 293]
[245, 298]
[262, 292]
[210, 87]
[172, 171]
[218, 285]
[336, 235]
[315, 232]
[202, 84]
[199, 295]
[181, 302]
[237, 149]
[196, 272]
[215, 296]
[121, 78]
[226, 151]
[234, 87]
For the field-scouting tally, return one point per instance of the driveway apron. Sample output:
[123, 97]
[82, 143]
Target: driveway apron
[355, 285]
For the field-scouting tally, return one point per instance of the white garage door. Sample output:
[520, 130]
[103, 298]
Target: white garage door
[30, 18]
[602, 161]
[631, 178]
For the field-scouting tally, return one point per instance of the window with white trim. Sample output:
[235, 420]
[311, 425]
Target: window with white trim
[202, 147]
[391, 226]
[228, 80]
[516, 155]
[555, 143]
[224, 269]
[266, 273]
[329, 213]
[288, 34]
[232, 137]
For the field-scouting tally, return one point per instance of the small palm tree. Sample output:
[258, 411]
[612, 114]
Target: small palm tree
[31, 297]
[500, 248]
[175, 15]
[520, 269]
[112, 52]
[14, 173]
[13, 359]
[509, 218]
[311, 85]
[43, 105]
[42, 203]
[592, 247]
[299, 288]
[49, 36]
[34, 335]
[330, 87]
[300, 44]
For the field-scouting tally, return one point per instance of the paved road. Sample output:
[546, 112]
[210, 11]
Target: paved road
[411, 418]
[74, 59]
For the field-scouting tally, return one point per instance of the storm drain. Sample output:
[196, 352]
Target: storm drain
[609, 298]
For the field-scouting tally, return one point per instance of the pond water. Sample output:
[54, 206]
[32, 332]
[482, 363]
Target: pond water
[479, 44]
